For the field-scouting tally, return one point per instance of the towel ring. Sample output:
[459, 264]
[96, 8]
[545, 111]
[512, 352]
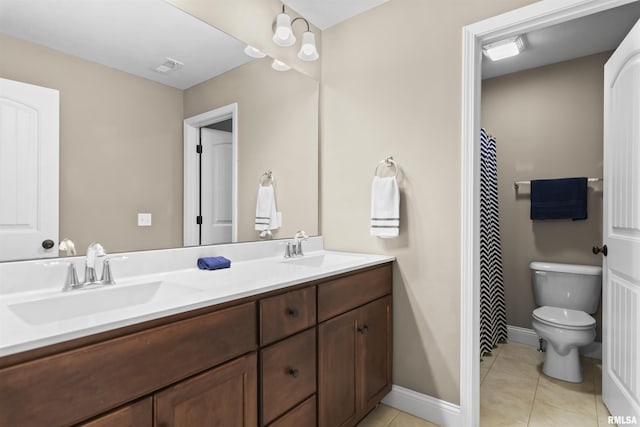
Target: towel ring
[266, 178]
[388, 162]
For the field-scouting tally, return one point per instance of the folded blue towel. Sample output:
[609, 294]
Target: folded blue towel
[213, 263]
[559, 198]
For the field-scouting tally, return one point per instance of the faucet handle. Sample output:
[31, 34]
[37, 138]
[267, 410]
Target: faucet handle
[72, 278]
[287, 250]
[107, 275]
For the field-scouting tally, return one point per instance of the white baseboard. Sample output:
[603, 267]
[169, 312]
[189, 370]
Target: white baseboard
[529, 337]
[423, 406]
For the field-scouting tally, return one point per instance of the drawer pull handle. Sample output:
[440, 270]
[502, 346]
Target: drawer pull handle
[293, 312]
[294, 372]
[364, 329]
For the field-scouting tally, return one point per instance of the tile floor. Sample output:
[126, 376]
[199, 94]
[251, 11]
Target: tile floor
[514, 392]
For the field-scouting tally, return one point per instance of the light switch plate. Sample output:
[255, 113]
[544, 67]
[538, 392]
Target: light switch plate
[144, 220]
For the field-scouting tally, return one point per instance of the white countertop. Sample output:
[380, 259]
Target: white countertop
[201, 289]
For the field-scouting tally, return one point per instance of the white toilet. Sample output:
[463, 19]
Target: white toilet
[566, 294]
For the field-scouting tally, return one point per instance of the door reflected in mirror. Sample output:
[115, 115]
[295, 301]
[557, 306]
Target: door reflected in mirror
[121, 118]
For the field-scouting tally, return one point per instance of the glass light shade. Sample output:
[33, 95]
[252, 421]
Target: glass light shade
[254, 52]
[279, 65]
[283, 34]
[308, 51]
[504, 48]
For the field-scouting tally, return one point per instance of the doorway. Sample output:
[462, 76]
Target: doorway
[211, 177]
[536, 16]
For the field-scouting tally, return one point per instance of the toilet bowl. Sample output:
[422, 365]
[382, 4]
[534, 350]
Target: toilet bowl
[566, 294]
[565, 331]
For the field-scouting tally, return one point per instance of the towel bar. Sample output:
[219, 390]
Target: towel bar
[266, 178]
[388, 162]
[517, 184]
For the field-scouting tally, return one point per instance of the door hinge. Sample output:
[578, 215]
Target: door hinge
[199, 220]
[199, 148]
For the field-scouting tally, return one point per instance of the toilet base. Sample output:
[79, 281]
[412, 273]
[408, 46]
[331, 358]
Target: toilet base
[565, 368]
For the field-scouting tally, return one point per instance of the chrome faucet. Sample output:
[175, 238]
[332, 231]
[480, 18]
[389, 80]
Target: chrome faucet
[94, 251]
[294, 248]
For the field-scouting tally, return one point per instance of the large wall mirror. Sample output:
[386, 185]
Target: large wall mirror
[122, 114]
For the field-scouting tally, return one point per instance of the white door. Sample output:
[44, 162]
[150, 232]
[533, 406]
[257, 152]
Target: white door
[621, 231]
[216, 186]
[29, 132]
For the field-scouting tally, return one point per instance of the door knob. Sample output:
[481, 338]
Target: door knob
[596, 250]
[47, 244]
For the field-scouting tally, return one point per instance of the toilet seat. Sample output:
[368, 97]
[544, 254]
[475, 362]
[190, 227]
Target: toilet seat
[564, 318]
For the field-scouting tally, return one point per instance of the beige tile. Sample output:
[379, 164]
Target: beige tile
[487, 360]
[544, 415]
[597, 373]
[405, 420]
[483, 373]
[602, 412]
[379, 417]
[506, 399]
[513, 366]
[588, 369]
[523, 353]
[579, 398]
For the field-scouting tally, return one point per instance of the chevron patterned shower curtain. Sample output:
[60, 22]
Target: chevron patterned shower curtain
[493, 323]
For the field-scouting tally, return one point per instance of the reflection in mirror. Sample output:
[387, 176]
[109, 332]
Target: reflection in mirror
[121, 118]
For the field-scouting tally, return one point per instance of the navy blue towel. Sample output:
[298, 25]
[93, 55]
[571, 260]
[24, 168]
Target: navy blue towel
[559, 198]
[213, 263]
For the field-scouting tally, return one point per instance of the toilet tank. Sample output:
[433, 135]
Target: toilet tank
[573, 286]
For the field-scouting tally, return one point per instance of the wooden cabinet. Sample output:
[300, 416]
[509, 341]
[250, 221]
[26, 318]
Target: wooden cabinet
[224, 396]
[286, 314]
[288, 374]
[354, 350]
[138, 414]
[314, 354]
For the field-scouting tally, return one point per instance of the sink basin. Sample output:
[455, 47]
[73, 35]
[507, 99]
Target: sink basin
[80, 302]
[323, 260]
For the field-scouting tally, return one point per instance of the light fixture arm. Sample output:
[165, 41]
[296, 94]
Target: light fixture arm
[305, 21]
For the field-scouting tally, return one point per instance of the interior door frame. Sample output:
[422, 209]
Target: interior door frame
[191, 172]
[532, 17]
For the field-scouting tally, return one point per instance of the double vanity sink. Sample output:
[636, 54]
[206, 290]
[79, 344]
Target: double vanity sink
[36, 318]
[269, 342]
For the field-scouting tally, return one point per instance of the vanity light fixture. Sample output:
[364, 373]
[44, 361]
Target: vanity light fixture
[279, 65]
[283, 36]
[254, 52]
[504, 48]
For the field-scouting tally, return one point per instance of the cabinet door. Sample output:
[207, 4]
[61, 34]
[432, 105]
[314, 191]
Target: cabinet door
[374, 353]
[337, 404]
[138, 414]
[224, 396]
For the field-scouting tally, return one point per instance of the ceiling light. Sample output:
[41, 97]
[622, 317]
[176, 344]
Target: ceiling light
[279, 65]
[308, 51]
[254, 52]
[283, 36]
[169, 65]
[283, 33]
[504, 48]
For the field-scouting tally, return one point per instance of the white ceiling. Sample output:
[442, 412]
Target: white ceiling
[131, 36]
[325, 13]
[574, 39]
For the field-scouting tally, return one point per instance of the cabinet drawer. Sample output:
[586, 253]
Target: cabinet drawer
[341, 295]
[138, 414]
[302, 415]
[288, 374]
[287, 314]
[102, 376]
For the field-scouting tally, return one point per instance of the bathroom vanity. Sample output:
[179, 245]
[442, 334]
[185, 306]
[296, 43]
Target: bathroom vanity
[315, 351]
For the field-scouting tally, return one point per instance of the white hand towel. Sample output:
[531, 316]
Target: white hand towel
[385, 207]
[266, 213]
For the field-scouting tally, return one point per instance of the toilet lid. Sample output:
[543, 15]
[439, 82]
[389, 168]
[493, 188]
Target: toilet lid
[564, 317]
